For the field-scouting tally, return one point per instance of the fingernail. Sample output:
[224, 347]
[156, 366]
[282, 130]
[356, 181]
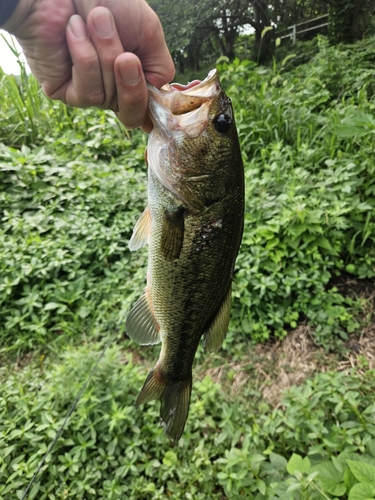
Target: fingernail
[129, 72]
[103, 23]
[77, 26]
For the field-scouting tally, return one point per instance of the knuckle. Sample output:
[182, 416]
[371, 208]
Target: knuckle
[85, 100]
[96, 98]
[87, 60]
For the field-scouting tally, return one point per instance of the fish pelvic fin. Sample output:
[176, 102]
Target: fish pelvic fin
[141, 324]
[215, 335]
[172, 236]
[174, 398]
[141, 231]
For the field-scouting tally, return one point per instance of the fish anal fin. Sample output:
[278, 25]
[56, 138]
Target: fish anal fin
[214, 336]
[172, 236]
[141, 324]
[153, 387]
[174, 397]
[141, 231]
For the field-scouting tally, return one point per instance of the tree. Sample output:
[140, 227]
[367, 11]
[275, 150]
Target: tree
[350, 19]
[196, 28]
[261, 21]
[285, 13]
[184, 27]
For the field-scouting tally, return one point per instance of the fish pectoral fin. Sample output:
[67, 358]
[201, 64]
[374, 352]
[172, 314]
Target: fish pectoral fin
[214, 336]
[174, 398]
[141, 324]
[141, 231]
[172, 236]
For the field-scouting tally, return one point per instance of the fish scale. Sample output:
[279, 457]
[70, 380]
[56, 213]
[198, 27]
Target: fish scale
[193, 224]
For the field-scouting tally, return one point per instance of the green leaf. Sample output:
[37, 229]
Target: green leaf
[371, 447]
[324, 243]
[12, 486]
[297, 229]
[362, 471]
[278, 461]
[34, 491]
[261, 485]
[362, 491]
[349, 479]
[331, 478]
[298, 464]
[294, 486]
[51, 305]
[170, 458]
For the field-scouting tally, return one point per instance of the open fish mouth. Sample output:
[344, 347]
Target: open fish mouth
[183, 107]
[180, 114]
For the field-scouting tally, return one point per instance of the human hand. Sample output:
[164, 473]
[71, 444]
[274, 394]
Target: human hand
[76, 51]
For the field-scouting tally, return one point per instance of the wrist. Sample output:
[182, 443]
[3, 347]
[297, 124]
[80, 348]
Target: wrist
[14, 14]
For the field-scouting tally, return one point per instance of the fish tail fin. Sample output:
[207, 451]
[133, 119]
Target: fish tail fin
[174, 398]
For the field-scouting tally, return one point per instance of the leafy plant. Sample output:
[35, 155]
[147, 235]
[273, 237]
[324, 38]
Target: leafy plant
[74, 184]
[309, 190]
[319, 443]
[65, 266]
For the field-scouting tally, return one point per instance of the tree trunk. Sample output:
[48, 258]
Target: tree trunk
[193, 57]
[350, 19]
[262, 47]
[230, 39]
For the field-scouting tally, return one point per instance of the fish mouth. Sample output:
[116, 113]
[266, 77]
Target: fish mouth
[183, 107]
[179, 113]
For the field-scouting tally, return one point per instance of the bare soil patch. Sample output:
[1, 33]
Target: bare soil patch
[275, 366]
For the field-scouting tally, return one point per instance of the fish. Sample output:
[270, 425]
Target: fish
[193, 224]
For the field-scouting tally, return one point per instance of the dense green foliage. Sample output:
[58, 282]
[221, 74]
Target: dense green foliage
[350, 20]
[73, 183]
[307, 136]
[69, 202]
[65, 226]
[71, 197]
[321, 438]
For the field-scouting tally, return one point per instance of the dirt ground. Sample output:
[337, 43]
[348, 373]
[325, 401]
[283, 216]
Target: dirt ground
[275, 366]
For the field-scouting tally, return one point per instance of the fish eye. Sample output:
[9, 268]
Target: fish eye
[222, 123]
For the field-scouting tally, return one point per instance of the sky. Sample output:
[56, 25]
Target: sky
[8, 62]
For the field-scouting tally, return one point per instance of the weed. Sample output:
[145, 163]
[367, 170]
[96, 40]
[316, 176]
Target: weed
[320, 441]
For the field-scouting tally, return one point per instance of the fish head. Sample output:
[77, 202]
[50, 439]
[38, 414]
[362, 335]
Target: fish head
[193, 149]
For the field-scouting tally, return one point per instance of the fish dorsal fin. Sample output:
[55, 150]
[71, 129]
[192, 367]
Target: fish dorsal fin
[172, 235]
[141, 324]
[141, 231]
[214, 336]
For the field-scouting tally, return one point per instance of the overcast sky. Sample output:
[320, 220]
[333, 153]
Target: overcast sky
[7, 60]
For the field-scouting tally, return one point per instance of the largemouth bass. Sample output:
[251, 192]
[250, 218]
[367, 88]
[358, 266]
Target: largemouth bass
[193, 224]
